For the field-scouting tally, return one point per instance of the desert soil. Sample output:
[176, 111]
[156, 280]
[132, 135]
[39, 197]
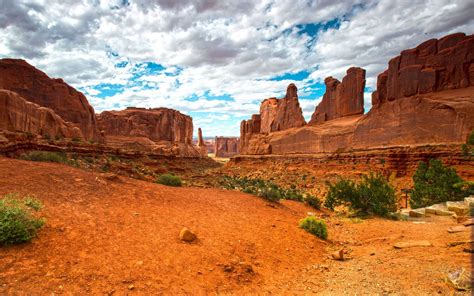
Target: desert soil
[107, 235]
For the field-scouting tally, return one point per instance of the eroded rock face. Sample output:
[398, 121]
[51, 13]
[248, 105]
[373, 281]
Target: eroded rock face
[18, 114]
[157, 124]
[247, 129]
[226, 146]
[425, 97]
[341, 99]
[36, 87]
[201, 144]
[434, 65]
[280, 114]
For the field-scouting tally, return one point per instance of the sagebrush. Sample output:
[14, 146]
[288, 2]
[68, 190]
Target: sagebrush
[437, 183]
[169, 180]
[373, 195]
[315, 226]
[18, 221]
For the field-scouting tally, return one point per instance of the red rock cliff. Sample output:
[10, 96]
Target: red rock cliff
[35, 86]
[18, 114]
[434, 65]
[426, 97]
[157, 124]
[341, 98]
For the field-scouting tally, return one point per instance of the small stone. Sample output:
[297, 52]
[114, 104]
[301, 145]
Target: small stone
[131, 287]
[460, 279]
[456, 229]
[228, 268]
[187, 235]
[468, 222]
[410, 244]
[338, 255]
[418, 213]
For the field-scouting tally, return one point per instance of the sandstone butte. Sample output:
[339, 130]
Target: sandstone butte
[226, 146]
[36, 87]
[163, 130]
[425, 97]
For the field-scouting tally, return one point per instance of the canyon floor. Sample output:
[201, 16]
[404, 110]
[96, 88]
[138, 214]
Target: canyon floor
[117, 235]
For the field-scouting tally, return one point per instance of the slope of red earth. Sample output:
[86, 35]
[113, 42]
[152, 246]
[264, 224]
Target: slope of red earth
[120, 236]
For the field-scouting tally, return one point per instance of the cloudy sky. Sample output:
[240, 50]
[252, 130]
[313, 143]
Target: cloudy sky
[214, 59]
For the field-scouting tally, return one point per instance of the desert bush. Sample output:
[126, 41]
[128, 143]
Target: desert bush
[265, 189]
[45, 156]
[470, 138]
[18, 223]
[436, 183]
[373, 195]
[169, 180]
[315, 226]
[313, 201]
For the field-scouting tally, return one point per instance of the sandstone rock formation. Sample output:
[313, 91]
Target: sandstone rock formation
[280, 114]
[426, 97]
[275, 115]
[341, 98]
[432, 66]
[157, 124]
[226, 146]
[35, 86]
[163, 130]
[18, 114]
[201, 144]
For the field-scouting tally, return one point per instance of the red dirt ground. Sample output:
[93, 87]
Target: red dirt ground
[121, 237]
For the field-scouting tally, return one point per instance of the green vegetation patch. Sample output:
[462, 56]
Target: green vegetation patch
[18, 220]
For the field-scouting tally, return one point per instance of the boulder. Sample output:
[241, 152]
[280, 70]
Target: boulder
[187, 235]
[36, 87]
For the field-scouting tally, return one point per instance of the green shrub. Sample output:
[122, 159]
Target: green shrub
[169, 180]
[470, 138]
[436, 183]
[45, 156]
[373, 195]
[315, 226]
[265, 189]
[313, 201]
[17, 222]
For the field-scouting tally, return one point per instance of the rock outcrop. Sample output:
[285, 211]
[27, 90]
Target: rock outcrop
[156, 124]
[426, 97]
[201, 144]
[341, 98]
[226, 146]
[36, 87]
[18, 114]
[432, 66]
[280, 114]
[158, 129]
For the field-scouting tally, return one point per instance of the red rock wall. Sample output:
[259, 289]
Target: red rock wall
[426, 97]
[434, 65]
[18, 114]
[341, 99]
[35, 86]
[226, 146]
[158, 124]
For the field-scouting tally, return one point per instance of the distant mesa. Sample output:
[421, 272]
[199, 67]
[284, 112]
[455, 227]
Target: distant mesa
[226, 146]
[426, 96]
